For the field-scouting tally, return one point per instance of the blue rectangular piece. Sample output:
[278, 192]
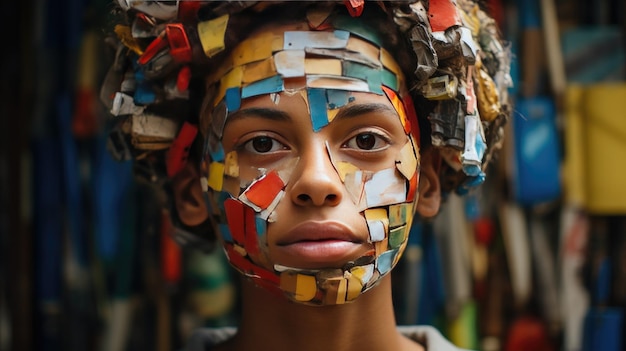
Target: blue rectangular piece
[317, 106]
[233, 99]
[266, 86]
[337, 98]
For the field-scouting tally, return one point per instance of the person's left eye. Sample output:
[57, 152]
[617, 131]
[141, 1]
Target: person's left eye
[367, 141]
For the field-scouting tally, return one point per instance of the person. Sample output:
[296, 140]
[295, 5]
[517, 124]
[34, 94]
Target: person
[304, 137]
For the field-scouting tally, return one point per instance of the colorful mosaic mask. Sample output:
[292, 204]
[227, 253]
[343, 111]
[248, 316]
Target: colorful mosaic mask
[325, 67]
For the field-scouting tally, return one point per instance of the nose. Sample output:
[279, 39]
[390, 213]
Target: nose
[315, 181]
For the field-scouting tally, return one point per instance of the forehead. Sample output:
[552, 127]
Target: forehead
[326, 67]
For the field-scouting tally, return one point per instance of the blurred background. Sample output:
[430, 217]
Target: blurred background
[534, 260]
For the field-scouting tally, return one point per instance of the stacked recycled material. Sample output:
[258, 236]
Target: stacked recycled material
[459, 68]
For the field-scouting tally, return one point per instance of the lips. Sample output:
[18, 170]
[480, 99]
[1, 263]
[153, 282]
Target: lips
[318, 244]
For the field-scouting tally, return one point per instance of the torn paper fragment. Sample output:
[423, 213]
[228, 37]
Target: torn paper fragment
[386, 260]
[369, 52]
[211, 35]
[262, 192]
[475, 146]
[317, 107]
[386, 187]
[322, 66]
[235, 219]
[355, 185]
[296, 40]
[267, 212]
[216, 176]
[123, 104]
[406, 162]
[289, 63]
[336, 82]
[265, 86]
[253, 49]
[363, 273]
[259, 70]
[378, 224]
[344, 168]
[397, 236]
[399, 214]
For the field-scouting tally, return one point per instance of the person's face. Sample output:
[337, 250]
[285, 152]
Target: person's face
[317, 211]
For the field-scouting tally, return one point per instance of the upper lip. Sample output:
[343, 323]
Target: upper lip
[319, 231]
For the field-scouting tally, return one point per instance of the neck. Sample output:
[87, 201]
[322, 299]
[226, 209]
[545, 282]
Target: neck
[274, 323]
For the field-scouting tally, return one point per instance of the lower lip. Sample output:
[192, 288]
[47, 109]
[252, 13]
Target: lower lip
[322, 251]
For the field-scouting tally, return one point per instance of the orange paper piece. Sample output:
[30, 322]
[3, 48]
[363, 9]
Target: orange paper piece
[262, 192]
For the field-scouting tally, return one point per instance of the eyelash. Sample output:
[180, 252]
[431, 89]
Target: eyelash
[385, 138]
[247, 144]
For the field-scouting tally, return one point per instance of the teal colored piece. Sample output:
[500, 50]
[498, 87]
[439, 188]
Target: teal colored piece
[261, 226]
[358, 27]
[317, 106]
[266, 86]
[373, 76]
[389, 79]
[337, 98]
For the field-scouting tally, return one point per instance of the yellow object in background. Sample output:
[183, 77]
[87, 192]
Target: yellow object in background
[595, 148]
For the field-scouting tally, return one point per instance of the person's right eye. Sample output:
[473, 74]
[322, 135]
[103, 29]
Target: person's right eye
[263, 144]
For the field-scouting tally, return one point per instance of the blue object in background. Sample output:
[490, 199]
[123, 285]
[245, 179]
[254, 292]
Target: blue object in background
[537, 152]
[602, 329]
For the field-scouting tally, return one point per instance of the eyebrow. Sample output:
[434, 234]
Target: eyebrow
[262, 112]
[351, 111]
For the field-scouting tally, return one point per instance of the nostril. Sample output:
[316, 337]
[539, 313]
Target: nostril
[304, 197]
[331, 198]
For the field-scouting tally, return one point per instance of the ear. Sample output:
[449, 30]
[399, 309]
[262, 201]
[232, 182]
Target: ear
[188, 197]
[429, 187]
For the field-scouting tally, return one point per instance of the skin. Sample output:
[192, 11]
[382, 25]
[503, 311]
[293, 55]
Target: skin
[314, 196]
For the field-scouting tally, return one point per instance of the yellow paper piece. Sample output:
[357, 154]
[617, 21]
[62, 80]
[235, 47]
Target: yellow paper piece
[331, 114]
[367, 49]
[231, 164]
[253, 49]
[381, 246]
[306, 288]
[229, 80]
[259, 70]
[126, 37]
[322, 66]
[407, 164]
[399, 214]
[377, 214]
[211, 35]
[216, 176]
[342, 290]
[354, 288]
[389, 62]
[344, 168]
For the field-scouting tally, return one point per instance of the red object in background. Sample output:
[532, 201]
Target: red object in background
[179, 150]
[180, 48]
[183, 79]
[355, 7]
[171, 266]
[484, 230]
[443, 14]
[188, 10]
[85, 122]
[528, 333]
